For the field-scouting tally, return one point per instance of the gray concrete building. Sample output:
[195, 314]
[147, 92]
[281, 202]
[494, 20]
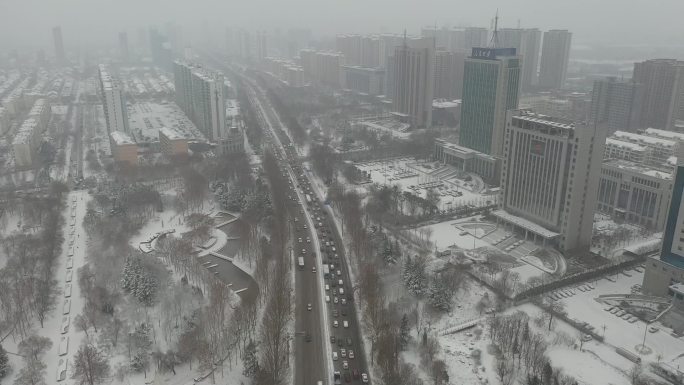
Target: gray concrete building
[616, 104]
[526, 42]
[413, 72]
[662, 104]
[555, 55]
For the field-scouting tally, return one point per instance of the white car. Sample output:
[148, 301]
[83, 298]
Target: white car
[327, 287]
[345, 324]
[364, 378]
[313, 269]
[351, 354]
[336, 324]
[340, 291]
[334, 354]
[309, 307]
[344, 301]
[345, 365]
[327, 298]
[336, 300]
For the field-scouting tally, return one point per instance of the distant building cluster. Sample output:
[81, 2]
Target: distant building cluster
[285, 70]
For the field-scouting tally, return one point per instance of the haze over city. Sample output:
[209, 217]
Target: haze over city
[341, 192]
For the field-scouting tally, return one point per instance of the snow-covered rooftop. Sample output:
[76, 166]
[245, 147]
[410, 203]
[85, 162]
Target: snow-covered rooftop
[623, 144]
[637, 168]
[664, 134]
[121, 138]
[647, 140]
[171, 133]
[524, 223]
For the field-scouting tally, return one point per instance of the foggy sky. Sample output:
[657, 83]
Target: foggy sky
[621, 22]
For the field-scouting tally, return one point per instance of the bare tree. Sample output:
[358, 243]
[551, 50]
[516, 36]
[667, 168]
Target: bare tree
[90, 365]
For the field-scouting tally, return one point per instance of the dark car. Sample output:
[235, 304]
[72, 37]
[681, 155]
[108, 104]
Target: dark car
[349, 342]
[340, 342]
[308, 337]
[355, 374]
[344, 312]
[332, 339]
[347, 377]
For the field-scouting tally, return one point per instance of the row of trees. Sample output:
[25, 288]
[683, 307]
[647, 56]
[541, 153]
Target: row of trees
[27, 287]
[522, 352]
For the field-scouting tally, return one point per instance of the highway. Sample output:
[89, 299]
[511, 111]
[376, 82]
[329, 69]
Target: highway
[311, 361]
[329, 249]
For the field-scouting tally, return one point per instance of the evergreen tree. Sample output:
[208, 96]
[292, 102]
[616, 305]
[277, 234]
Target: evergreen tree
[250, 362]
[439, 295]
[404, 332]
[4, 362]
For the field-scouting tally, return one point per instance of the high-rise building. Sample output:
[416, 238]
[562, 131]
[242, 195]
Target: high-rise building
[442, 36]
[350, 47]
[160, 48]
[491, 84]
[261, 47]
[59, 44]
[554, 59]
[123, 47]
[414, 81]
[329, 68]
[200, 94]
[663, 92]
[549, 178]
[666, 272]
[526, 43]
[449, 74]
[113, 102]
[465, 39]
[371, 49]
[616, 104]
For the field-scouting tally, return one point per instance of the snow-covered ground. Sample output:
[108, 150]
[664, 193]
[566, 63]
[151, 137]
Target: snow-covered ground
[69, 302]
[146, 118]
[408, 174]
[618, 332]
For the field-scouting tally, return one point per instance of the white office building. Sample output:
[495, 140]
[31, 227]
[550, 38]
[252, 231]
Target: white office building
[549, 179]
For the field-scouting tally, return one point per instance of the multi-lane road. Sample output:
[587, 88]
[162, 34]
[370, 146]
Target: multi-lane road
[327, 336]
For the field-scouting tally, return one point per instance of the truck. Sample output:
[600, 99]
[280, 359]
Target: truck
[300, 262]
[326, 271]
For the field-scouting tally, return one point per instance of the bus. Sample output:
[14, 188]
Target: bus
[326, 271]
[301, 263]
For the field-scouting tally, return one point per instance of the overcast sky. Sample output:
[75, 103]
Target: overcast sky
[621, 22]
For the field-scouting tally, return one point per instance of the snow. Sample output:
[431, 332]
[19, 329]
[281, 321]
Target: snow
[445, 234]
[54, 320]
[586, 369]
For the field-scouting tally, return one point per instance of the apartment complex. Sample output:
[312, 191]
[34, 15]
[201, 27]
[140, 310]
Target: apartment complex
[662, 104]
[491, 84]
[549, 178]
[28, 137]
[200, 94]
[113, 102]
[616, 104]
